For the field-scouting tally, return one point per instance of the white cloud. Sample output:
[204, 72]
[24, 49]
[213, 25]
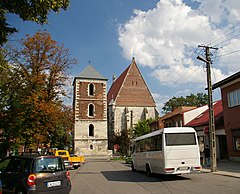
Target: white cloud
[212, 9]
[231, 55]
[164, 38]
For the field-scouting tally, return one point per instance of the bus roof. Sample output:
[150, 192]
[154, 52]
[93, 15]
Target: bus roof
[166, 130]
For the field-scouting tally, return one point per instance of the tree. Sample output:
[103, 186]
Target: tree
[123, 140]
[31, 10]
[33, 111]
[199, 99]
[142, 127]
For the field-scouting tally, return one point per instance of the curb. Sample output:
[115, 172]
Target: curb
[222, 173]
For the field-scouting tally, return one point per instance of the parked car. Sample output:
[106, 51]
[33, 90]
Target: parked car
[30, 174]
[75, 159]
[68, 164]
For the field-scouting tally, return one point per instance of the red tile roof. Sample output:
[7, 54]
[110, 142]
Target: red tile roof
[203, 118]
[130, 89]
[116, 85]
[178, 111]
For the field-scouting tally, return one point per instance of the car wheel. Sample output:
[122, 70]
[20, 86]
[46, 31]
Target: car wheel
[148, 170]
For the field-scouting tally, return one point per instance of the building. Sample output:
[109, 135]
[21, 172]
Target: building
[178, 117]
[90, 113]
[201, 124]
[230, 92]
[129, 100]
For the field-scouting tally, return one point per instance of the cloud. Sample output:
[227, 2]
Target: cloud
[165, 39]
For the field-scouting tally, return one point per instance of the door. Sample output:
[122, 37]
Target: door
[223, 146]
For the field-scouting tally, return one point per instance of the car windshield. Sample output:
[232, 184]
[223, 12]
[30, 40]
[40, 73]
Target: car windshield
[48, 164]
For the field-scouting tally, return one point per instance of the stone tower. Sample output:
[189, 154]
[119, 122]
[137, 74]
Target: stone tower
[90, 112]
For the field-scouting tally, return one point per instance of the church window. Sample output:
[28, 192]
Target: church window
[91, 89]
[90, 110]
[91, 130]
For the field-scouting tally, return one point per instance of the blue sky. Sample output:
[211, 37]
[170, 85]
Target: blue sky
[162, 36]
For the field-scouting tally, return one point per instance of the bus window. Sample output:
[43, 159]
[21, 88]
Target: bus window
[140, 146]
[147, 145]
[157, 142]
[176, 139]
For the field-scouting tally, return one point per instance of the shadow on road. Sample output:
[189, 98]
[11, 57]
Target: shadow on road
[129, 176]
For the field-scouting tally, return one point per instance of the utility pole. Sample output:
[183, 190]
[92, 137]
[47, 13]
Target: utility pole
[212, 134]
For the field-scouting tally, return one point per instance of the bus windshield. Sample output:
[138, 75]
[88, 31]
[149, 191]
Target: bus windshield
[178, 139]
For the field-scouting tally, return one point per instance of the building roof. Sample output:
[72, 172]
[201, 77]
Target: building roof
[178, 111]
[203, 118]
[226, 80]
[90, 73]
[130, 89]
[116, 85]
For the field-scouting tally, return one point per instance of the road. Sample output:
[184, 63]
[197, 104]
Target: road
[117, 178]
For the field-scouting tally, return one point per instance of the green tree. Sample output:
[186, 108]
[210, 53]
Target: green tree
[142, 127]
[199, 99]
[30, 10]
[33, 111]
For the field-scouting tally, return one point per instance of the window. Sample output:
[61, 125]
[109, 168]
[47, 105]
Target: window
[176, 139]
[90, 110]
[4, 164]
[91, 130]
[150, 144]
[48, 164]
[91, 89]
[91, 147]
[236, 139]
[234, 98]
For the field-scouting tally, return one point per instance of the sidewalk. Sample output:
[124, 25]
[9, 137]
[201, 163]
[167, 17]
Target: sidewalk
[225, 168]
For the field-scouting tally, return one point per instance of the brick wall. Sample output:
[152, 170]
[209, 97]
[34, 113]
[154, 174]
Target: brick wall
[231, 117]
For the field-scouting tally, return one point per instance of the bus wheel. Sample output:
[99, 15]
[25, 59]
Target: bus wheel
[148, 170]
[132, 166]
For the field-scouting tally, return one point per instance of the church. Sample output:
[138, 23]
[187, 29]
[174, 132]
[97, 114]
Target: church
[129, 101]
[98, 114]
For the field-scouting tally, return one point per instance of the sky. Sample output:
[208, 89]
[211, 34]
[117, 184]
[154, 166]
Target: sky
[163, 37]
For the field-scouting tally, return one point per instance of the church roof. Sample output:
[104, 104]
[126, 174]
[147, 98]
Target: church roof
[130, 89]
[90, 73]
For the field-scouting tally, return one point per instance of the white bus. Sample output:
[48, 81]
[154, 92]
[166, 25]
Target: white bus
[171, 150]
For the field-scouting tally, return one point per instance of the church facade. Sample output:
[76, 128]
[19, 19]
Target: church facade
[90, 113]
[129, 100]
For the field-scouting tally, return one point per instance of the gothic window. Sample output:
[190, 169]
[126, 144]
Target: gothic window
[90, 110]
[91, 89]
[91, 130]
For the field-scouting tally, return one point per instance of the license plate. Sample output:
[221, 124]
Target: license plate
[183, 168]
[53, 184]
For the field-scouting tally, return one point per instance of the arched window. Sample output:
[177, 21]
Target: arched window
[91, 130]
[91, 89]
[91, 147]
[90, 110]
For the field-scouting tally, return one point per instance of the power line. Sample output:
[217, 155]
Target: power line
[226, 54]
[234, 29]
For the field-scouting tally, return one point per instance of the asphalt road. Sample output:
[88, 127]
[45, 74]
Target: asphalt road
[117, 178]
